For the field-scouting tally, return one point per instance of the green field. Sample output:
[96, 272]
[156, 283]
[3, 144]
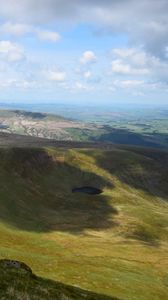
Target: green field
[16, 284]
[114, 243]
[131, 128]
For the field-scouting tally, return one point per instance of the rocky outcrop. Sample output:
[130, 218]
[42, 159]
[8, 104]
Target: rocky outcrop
[8, 263]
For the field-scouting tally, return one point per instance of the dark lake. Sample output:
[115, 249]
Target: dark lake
[87, 190]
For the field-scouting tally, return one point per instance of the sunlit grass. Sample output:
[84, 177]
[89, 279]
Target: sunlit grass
[114, 243]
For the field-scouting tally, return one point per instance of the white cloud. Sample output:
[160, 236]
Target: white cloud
[88, 57]
[46, 35]
[16, 83]
[11, 52]
[137, 62]
[58, 76]
[131, 61]
[83, 86]
[145, 22]
[120, 67]
[80, 85]
[144, 25]
[137, 56]
[132, 83]
[87, 75]
[16, 29]
[20, 29]
[123, 52]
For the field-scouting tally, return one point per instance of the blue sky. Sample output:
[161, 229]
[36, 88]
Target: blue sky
[84, 51]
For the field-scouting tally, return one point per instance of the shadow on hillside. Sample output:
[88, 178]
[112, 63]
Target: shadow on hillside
[127, 137]
[140, 168]
[38, 194]
[29, 114]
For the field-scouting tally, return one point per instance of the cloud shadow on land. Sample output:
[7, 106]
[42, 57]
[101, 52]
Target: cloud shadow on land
[140, 168]
[38, 194]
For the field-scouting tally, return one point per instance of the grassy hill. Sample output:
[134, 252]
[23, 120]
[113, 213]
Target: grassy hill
[29, 114]
[58, 128]
[37, 124]
[18, 284]
[114, 243]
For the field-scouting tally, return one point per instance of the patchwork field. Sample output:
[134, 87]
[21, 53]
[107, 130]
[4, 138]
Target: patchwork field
[114, 243]
[111, 128]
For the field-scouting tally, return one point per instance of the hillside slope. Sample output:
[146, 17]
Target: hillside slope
[114, 243]
[58, 128]
[38, 124]
[18, 284]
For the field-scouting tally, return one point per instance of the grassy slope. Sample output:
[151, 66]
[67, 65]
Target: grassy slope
[34, 124]
[49, 126]
[114, 243]
[28, 114]
[17, 285]
[125, 136]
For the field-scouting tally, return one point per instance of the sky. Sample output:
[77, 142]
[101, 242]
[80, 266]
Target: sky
[83, 52]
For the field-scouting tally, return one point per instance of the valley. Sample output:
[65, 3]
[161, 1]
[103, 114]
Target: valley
[83, 150]
[127, 128]
[113, 243]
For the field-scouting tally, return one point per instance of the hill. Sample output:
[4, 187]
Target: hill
[38, 124]
[114, 243]
[55, 127]
[19, 284]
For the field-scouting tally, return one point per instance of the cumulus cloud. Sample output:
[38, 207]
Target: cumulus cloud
[145, 21]
[135, 61]
[128, 83]
[137, 56]
[88, 57]
[80, 86]
[83, 86]
[11, 52]
[20, 29]
[119, 67]
[16, 29]
[57, 76]
[87, 74]
[144, 24]
[16, 83]
[47, 35]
